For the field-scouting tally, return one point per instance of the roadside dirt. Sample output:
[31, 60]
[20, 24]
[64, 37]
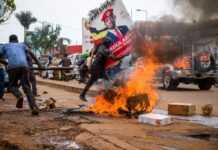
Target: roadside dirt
[56, 130]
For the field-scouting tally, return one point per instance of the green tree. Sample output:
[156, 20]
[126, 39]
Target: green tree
[7, 7]
[45, 38]
[26, 19]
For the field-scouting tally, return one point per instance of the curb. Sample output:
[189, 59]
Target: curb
[66, 87]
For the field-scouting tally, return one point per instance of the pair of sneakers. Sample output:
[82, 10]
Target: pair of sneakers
[34, 110]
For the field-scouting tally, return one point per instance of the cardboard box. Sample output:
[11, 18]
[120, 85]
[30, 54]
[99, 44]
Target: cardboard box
[155, 119]
[183, 109]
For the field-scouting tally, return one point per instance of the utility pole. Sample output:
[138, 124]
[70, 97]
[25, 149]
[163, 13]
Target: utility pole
[146, 19]
[144, 11]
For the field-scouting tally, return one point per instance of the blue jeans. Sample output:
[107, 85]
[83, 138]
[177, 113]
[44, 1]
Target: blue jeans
[2, 83]
[113, 72]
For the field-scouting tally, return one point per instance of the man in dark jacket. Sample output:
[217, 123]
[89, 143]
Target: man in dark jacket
[65, 62]
[32, 76]
[97, 70]
[18, 68]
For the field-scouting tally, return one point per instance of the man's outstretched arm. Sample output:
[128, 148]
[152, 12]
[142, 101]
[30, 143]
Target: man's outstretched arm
[34, 58]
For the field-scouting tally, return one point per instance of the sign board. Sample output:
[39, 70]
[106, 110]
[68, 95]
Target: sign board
[86, 44]
[110, 20]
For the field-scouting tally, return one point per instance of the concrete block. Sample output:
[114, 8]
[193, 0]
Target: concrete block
[155, 119]
[183, 109]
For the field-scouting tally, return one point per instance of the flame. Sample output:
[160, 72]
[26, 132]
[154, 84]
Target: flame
[182, 63]
[140, 82]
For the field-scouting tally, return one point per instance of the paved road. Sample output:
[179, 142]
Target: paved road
[189, 94]
[52, 128]
[184, 94]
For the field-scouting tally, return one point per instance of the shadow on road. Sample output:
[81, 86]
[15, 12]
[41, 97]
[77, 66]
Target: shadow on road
[181, 89]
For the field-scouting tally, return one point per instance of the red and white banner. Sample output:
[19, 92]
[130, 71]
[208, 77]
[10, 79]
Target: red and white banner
[110, 20]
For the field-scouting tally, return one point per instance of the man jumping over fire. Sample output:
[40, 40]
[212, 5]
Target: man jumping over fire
[110, 47]
[97, 70]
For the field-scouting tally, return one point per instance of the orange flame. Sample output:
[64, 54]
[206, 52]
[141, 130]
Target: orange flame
[182, 63]
[140, 82]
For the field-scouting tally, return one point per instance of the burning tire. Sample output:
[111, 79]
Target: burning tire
[169, 83]
[205, 85]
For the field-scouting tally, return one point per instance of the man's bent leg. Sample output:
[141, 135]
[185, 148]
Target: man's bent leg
[90, 82]
[32, 79]
[14, 76]
[27, 90]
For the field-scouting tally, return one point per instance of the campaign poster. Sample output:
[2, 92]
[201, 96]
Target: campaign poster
[87, 45]
[110, 20]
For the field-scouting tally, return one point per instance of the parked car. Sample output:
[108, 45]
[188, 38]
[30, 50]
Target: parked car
[202, 71]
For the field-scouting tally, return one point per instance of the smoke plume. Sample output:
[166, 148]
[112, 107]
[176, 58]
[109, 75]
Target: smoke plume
[198, 10]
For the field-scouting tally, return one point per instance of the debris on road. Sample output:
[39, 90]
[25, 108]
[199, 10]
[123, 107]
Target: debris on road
[45, 103]
[183, 109]
[110, 95]
[196, 119]
[155, 119]
[207, 110]
[82, 110]
[45, 92]
[62, 143]
[71, 128]
[135, 105]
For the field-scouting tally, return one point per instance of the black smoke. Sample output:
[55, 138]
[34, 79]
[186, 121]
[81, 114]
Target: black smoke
[198, 10]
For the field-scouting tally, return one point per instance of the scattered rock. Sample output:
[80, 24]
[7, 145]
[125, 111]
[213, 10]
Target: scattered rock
[207, 110]
[47, 103]
[45, 92]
